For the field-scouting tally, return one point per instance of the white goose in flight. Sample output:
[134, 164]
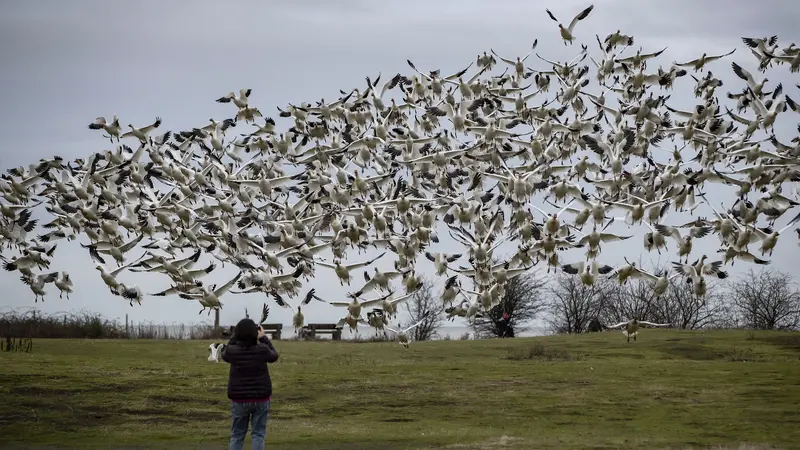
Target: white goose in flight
[141, 133]
[240, 101]
[566, 32]
[402, 335]
[632, 327]
[588, 272]
[110, 278]
[38, 283]
[209, 298]
[113, 129]
[343, 271]
[298, 319]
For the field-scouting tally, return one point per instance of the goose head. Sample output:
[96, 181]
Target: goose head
[629, 263]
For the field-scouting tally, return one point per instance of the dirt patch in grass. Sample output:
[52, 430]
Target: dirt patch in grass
[504, 384]
[742, 354]
[206, 416]
[503, 442]
[732, 447]
[187, 400]
[154, 413]
[62, 416]
[37, 386]
[789, 342]
[615, 355]
[337, 412]
[689, 351]
[34, 378]
[395, 405]
[45, 391]
[37, 407]
[702, 353]
[540, 352]
[292, 398]
[65, 417]
[290, 415]
[142, 411]
[160, 421]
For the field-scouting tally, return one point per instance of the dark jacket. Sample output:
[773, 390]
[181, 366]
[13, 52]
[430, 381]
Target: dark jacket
[248, 378]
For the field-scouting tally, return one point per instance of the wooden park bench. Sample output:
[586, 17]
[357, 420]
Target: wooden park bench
[274, 330]
[312, 329]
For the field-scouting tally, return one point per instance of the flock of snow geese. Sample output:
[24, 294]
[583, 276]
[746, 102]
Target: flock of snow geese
[382, 166]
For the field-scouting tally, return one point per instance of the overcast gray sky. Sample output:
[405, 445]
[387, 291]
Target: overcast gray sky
[65, 63]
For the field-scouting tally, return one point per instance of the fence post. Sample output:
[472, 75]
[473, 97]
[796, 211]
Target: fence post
[127, 334]
[216, 319]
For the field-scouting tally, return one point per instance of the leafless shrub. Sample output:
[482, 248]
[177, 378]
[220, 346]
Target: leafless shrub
[81, 325]
[573, 305]
[424, 306]
[204, 332]
[634, 299]
[679, 306]
[365, 339]
[766, 300]
[726, 316]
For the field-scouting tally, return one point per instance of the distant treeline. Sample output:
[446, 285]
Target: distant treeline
[88, 325]
[32, 323]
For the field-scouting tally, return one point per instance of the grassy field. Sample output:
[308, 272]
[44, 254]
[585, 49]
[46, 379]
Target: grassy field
[671, 389]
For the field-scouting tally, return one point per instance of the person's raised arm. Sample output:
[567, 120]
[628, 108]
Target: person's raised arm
[269, 354]
[265, 340]
[266, 349]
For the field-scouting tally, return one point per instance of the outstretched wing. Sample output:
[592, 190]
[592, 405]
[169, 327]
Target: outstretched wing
[264, 313]
[651, 324]
[416, 324]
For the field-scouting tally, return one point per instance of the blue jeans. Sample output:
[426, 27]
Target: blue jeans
[256, 413]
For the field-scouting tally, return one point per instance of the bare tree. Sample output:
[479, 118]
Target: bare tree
[424, 306]
[725, 315]
[679, 306]
[523, 301]
[573, 305]
[766, 300]
[634, 299]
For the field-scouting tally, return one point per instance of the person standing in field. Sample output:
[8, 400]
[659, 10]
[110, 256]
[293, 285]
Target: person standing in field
[249, 384]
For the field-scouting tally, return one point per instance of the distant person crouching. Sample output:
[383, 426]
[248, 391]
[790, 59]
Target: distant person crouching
[249, 384]
[506, 330]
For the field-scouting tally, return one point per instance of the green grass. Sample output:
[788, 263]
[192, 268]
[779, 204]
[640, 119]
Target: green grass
[671, 389]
